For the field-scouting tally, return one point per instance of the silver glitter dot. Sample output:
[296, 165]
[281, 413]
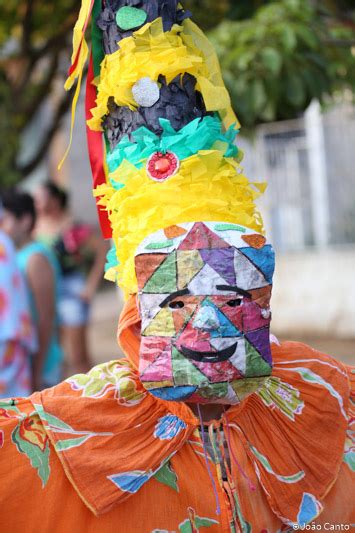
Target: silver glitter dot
[146, 92]
[266, 313]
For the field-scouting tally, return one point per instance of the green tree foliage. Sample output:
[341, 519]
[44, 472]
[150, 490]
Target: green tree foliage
[208, 13]
[286, 54]
[276, 56]
[35, 41]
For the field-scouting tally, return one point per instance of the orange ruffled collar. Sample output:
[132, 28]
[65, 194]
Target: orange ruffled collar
[112, 436]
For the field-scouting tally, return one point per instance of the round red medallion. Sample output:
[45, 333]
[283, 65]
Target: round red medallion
[162, 166]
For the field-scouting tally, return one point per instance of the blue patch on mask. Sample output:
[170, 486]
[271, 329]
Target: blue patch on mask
[263, 259]
[225, 327]
[173, 393]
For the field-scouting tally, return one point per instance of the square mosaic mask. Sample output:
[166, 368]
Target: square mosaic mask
[204, 292]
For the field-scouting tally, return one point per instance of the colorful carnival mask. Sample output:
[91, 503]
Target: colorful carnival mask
[162, 144]
[204, 302]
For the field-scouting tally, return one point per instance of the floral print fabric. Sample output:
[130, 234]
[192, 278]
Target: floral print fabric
[17, 336]
[98, 453]
[130, 457]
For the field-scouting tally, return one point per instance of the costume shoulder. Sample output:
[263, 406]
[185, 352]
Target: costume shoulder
[298, 428]
[106, 418]
[313, 371]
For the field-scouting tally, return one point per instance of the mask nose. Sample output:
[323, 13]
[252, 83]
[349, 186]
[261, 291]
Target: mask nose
[206, 319]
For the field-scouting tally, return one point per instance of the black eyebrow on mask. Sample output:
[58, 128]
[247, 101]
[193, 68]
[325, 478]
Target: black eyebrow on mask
[234, 288]
[174, 295]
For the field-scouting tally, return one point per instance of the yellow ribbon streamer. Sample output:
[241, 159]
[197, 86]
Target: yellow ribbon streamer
[79, 55]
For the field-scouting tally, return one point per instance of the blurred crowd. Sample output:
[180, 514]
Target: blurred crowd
[50, 268]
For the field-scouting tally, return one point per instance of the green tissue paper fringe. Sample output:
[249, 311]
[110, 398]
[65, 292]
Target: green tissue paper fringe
[200, 134]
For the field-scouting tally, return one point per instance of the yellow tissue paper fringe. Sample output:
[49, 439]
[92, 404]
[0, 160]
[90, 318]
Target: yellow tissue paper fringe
[79, 47]
[208, 187]
[215, 75]
[150, 52]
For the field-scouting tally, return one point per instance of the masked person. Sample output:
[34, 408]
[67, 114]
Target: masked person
[205, 425]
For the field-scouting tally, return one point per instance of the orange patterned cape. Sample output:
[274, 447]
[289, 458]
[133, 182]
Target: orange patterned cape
[99, 453]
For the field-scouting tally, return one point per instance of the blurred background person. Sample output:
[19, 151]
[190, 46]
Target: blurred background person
[41, 271]
[18, 341]
[81, 254]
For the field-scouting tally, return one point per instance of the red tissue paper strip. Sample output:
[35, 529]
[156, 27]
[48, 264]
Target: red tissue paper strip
[96, 151]
[73, 65]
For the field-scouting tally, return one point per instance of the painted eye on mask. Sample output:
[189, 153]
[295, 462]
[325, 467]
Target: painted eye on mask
[235, 302]
[178, 304]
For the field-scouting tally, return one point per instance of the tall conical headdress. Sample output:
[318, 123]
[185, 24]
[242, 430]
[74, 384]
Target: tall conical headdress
[171, 193]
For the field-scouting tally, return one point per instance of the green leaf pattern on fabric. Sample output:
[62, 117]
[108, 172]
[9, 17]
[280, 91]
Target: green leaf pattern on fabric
[237, 512]
[53, 422]
[167, 476]
[71, 443]
[113, 377]
[311, 377]
[283, 396]
[194, 523]
[30, 439]
[185, 526]
[204, 522]
[349, 450]
[293, 478]
[55, 425]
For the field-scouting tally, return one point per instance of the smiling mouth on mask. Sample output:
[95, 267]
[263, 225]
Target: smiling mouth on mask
[209, 357]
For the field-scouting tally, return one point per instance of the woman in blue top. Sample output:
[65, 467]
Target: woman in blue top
[17, 336]
[41, 272]
[81, 255]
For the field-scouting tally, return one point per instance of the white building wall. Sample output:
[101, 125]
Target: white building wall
[314, 293]
[309, 214]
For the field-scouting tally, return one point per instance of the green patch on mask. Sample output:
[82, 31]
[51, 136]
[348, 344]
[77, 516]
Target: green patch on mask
[130, 18]
[213, 391]
[184, 372]
[164, 278]
[229, 227]
[255, 364]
